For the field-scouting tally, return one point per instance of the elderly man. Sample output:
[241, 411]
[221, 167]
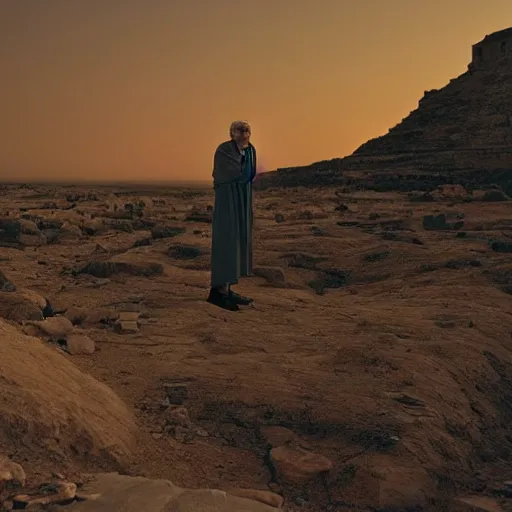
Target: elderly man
[234, 169]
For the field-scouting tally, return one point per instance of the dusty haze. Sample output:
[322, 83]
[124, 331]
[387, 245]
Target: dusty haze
[135, 90]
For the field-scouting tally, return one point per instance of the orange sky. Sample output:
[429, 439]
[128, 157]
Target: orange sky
[146, 89]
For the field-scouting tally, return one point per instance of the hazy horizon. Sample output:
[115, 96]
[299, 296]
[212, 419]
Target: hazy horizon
[109, 88]
[107, 182]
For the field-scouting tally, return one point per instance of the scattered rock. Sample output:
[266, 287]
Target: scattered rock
[135, 209]
[296, 465]
[79, 344]
[178, 416]
[180, 426]
[276, 435]
[184, 252]
[98, 317]
[348, 223]
[460, 264]
[11, 472]
[127, 322]
[143, 242]
[409, 401]
[33, 296]
[400, 237]
[75, 314]
[98, 283]
[495, 196]
[51, 235]
[111, 267]
[274, 275]
[5, 284]
[176, 394]
[143, 224]
[20, 232]
[56, 327]
[316, 231]
[426, 197]
[377, 256]
[439, 223]
[166, 231]
[305, 215]
[29, 227]
[69, 230]
[445, 324]
[393, 224]
[48, 223]
[10, 230]
[74, 197]
[332, 278]
[303, 260]
[93, 227]
[200, 215]
[64, 493]
[501, 246]
[100, 249]
[17, 308]
[126, 327]
[123, 225]
[132, 306]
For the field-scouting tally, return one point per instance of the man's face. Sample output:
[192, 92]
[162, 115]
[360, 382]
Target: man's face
[242, 135]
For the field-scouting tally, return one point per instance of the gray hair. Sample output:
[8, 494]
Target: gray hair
[236, 125]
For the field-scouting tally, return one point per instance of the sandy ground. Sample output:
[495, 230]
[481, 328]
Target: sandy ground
[373, 343]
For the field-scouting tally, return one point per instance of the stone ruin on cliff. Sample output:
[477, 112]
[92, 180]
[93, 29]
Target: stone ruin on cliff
[492, 51]
[465, 126]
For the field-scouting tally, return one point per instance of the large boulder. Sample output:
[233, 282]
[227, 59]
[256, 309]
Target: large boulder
[48, 405]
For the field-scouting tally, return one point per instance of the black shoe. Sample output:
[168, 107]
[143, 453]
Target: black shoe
[239, 299]
[221, 300]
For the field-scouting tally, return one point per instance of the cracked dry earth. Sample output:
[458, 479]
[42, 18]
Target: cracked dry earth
[374, 371]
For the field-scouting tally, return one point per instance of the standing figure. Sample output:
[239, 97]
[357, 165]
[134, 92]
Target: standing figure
[234, 169]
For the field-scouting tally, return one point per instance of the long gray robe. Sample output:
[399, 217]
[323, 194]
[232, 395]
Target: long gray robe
[232, 216]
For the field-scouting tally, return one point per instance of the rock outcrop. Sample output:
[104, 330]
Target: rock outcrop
[50, 406]
[456, 133]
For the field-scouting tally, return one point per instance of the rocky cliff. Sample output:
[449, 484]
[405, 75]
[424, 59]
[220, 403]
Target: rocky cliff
[454, 134]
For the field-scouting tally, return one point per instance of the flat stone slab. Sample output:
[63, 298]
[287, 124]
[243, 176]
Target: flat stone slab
[110, 491]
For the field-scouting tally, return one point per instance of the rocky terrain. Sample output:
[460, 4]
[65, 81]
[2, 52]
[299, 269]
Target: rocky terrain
[459, 134]
[373, 371]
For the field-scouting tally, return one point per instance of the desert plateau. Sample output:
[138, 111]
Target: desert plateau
[373, 371]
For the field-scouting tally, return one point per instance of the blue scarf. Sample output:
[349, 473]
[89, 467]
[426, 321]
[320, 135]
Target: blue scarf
[249, 163]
